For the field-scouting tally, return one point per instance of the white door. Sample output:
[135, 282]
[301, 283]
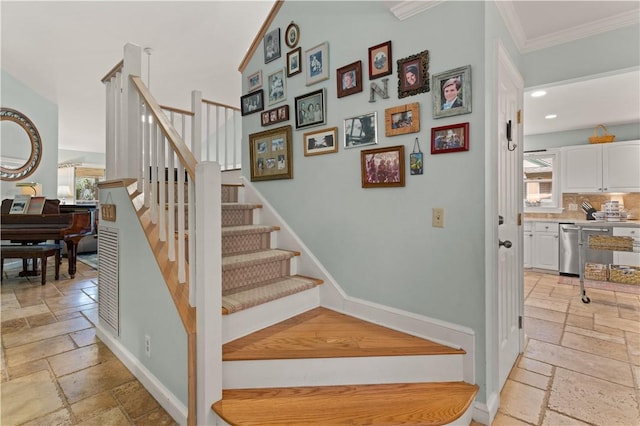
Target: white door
[510, 273]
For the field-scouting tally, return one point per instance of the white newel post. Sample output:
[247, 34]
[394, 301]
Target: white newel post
[196, 124]
[130, 147]
[112, 91]
[207, 289]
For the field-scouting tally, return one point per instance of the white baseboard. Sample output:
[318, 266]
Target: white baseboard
[485, 413]
[165, 398]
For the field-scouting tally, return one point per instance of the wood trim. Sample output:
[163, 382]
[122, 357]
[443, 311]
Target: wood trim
[178, 110]
[113, 71]
[206, 101]
[115, 183]
[263, 30]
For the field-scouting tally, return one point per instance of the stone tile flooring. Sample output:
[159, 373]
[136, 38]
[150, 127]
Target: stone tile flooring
[580, 366]
[54, 371]
[581, 363]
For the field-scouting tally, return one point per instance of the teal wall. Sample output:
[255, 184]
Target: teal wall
[44, 115]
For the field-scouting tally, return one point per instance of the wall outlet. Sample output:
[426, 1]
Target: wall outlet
[437, 218]
[147, 345]
[573, 207]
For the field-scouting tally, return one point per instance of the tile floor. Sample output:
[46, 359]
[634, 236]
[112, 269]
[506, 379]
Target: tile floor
[54, 371]
[580, 366]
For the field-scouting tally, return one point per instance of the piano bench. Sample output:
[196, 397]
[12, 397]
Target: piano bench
[39, 251]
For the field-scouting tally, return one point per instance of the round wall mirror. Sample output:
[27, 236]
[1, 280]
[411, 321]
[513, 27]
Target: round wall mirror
[21, 145]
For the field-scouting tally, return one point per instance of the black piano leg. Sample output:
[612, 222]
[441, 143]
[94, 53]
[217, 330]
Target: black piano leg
[72, 250]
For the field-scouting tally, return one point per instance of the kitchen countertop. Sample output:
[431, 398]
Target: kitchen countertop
[626, 224]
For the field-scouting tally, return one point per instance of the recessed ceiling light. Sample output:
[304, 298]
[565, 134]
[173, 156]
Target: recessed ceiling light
[550, 116]
[538, 93]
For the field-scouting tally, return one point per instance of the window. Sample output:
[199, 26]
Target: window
[541, 184]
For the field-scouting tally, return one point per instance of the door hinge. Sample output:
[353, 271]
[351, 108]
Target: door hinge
[519, 116]
[519, 219]
[520, 322]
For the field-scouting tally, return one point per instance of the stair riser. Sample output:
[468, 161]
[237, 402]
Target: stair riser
[236, 217]
[234, 244]
[229, 194]
[252, 274]
[341, 371]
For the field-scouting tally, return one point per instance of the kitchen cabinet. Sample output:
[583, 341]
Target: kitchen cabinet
[527, 245]
[608, 167]
[627, 258]
[545, 254]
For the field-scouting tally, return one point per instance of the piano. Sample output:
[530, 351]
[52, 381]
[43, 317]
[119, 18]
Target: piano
[50, 225]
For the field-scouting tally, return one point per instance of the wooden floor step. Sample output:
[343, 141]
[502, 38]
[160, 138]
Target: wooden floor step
[388, 404]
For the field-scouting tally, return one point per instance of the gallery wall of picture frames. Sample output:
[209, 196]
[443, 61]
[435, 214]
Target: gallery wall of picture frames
[271, 150]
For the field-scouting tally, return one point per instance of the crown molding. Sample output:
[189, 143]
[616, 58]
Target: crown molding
[512, 22]
[406, 9]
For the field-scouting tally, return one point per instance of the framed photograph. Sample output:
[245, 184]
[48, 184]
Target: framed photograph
[402, 119]
[361, 130]
[271, 42]
[382, 167]
[273, 116]
[277, 87]
[271, 154]
[380, 61]
[452, 92]
[310, 109]
[450, 138]
[323, 141]
[317, 60]
[292, 35]
[252, 102]
[254, 81]
[294, 62]
[36, 205]
[20, 204]
[413, 74]
[349, 79]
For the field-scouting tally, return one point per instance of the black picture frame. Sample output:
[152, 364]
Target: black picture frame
[349, 79]
[311, 109]
[252, 102]
[292, 35]
[271, 45]
[294, 62]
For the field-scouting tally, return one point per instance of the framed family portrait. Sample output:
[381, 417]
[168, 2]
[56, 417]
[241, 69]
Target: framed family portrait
[382, 167]
[252, 102]
[254, 81]
[276, 86]
[271, 42]
[413, 74]
[323, 141]
[450, 138]
[273, 116]
[271, 154]
[380, 61]
[292, 35]
[361, 130]
[317, 63]
[402, 119]
[452, 92]
[310, 109]
[294, 62]
[349, 79]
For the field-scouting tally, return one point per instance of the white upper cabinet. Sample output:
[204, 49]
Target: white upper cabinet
[609, 167]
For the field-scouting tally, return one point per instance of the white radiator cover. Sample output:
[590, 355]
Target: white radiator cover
[108, 278]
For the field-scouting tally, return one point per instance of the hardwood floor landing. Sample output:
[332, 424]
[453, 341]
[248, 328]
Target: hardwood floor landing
[323, 333]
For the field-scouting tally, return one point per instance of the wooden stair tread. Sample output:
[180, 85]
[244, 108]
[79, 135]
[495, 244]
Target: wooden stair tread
[387, 404]
[323, 333]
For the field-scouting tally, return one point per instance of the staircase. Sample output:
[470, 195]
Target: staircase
[321, 367]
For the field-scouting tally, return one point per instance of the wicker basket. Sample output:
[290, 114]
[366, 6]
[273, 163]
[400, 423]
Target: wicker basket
[605, 138]
[596, 271]
[625, 274]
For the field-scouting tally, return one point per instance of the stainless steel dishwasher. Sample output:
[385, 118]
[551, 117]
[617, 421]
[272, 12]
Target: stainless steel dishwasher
[568, 258]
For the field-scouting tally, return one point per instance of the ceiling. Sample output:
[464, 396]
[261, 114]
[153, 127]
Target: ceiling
[63, 49]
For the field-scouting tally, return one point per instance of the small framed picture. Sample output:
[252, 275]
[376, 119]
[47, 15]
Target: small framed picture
[254, 81]
[271, 154]
[361, 130]
[402, 119]
[271, 42]
[323, 141]
[452, 92]
[292, 35]
[382, 167]
[310, 109]
[349, 79]
[413, 74]
[276, 86]
[380, 61]
[317, 63]
[450, 138]
[252, 102]
[294, 62]
[273, 116]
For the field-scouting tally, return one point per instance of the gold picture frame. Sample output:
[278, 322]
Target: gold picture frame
[271, 154]
[402, 119]
[323, 141]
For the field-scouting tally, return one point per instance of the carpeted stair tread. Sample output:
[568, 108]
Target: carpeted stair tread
[247, 229]
[255, 258]
[237, 299]
[387, 404]
[240, 206]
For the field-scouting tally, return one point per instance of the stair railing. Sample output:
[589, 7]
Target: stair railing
[143, 142]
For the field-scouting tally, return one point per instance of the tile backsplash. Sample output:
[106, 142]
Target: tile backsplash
[631, 203]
